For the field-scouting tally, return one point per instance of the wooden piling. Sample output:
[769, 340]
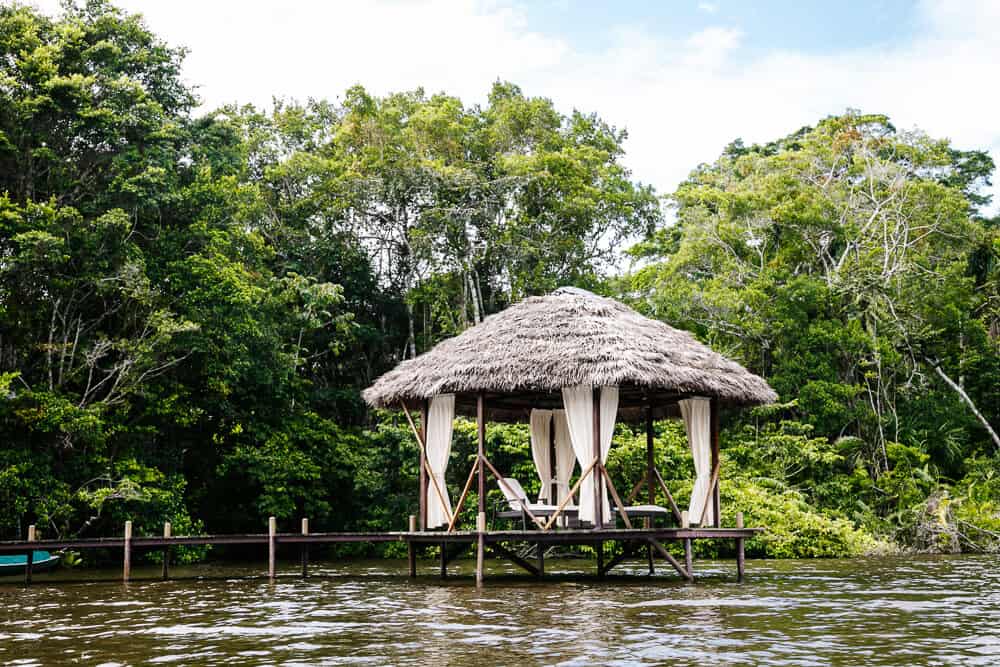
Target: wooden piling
[740, 557]
[714, 497]
[166, 551]
[127, 563]
[599, 547]
[30, 558]
[444, 560]
[540, 556]
[305, 549]
[688, 546]
[650, 485]
[411, 552]
[598, 477]
[480, 546]
[272, 530]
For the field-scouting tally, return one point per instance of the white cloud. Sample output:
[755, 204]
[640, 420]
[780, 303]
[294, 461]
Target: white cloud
[708, 7]
[682, 100]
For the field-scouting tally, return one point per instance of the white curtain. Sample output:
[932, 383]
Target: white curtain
[697, 414]
[565, 459]
[579, 404]
[440, 419]
[541, 452]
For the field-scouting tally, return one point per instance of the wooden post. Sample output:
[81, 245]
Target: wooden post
[411, 552]
[688, 546]
[481, 449]
[480, 546]
[715, 498]
[553, 469]
[424, 472]
[540, 556]
[127, 564]
[305, 549]
[740, 559]
[651, 488]
[599, 547]
[272, 529]
[444, 560]
[166, 551]
[598, 478]
[30, 557]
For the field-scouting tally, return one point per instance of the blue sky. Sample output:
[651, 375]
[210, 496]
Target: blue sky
[684, 77]
[810, 27]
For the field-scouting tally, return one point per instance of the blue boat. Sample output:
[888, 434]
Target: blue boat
[42, 560]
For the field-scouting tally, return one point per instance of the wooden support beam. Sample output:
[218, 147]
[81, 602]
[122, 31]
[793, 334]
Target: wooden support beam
[614, 494]
[670, 497]
[30, 557]
[455, 552]
[635, 491]
[688, 545]
[715, 497]
[272, 530]
[503, 482]
[740, 556]
[504, 552]
[480, 546]
[304, 553]
[461, 499]
[628, 550]
[651, 475]
[569, 496]
[444, 560]
[670, 559]
[712, 484]
[411, 551]
[650, 459]
[599, 549]
[424, 472]
[127, 560]
[540, 557]
[481, 450]
[421, 440]
[598, 487]
[167, 529]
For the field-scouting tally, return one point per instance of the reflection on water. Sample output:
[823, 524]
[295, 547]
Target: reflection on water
[872, 612]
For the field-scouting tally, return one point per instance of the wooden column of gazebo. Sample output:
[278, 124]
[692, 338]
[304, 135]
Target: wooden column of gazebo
[521, 359]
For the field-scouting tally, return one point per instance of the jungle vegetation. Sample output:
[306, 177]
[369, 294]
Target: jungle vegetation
[192, 300]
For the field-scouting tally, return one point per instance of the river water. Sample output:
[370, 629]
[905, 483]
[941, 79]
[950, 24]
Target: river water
[887, 611]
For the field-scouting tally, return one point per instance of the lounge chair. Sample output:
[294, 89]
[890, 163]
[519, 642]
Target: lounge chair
[517, 500]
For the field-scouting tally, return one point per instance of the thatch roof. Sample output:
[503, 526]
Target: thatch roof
[570, 337]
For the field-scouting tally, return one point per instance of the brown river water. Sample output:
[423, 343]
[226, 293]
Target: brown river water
[887, 611]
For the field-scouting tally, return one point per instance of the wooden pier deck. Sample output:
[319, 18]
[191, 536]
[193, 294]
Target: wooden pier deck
[452, 544]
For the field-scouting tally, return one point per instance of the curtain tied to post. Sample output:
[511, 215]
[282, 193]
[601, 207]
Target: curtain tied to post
[565, 459]
[541, 429]
[697, 415]
[440, 420]
[542, 438]
[579, 404]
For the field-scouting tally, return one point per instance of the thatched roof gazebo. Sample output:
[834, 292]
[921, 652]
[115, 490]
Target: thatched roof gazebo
[571, 363]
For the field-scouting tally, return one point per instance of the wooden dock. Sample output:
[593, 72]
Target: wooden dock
[501, 543]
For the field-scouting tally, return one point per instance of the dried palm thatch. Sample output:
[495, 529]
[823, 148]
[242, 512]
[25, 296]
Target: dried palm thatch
[570, 337]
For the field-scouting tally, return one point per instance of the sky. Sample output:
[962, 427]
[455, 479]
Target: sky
[683, 77]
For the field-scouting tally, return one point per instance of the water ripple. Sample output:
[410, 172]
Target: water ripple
[889, 611]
